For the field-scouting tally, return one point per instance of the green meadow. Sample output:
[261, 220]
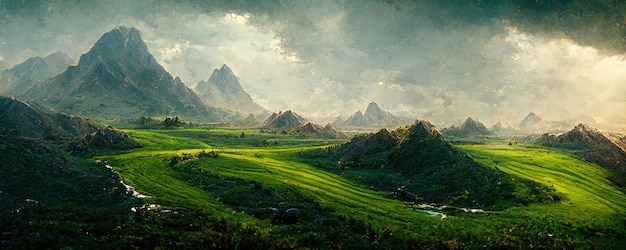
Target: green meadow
[240, 178]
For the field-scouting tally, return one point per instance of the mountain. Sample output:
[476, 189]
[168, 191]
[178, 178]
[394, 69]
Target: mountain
[223, 90]
[427, 166]
[287, 120]
[533, 123]
[603, 148]
[249, 121]
[374, 117]
[312, 129]
[21, 77]
[500, 129]
[119, 78]
[469, 128]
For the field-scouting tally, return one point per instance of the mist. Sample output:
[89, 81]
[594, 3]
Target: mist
[435, 60]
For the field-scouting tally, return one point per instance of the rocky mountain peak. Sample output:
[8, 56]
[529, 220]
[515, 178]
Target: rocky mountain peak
[120, 44]
[224, 90]
[531, 118]
[373, 109]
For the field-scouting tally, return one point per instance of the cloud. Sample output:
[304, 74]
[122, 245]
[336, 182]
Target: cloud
[329, 58]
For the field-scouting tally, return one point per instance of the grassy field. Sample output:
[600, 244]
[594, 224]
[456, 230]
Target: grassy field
[589, 196]
[255, 172]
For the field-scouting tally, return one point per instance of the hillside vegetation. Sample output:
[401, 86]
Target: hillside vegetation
[240, 190]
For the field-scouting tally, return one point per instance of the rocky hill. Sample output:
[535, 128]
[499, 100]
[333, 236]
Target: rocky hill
[373, 118]
[119, 78]
[603, 148]
[286, 120]
[469, 128]
[224, 90]
[431, 169]
[16, 80]
[19, 120]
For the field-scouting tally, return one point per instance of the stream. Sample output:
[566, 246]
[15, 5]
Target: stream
[129, 189]
[434, 210]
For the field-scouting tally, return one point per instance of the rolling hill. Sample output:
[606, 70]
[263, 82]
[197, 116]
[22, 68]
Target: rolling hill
[603, 148]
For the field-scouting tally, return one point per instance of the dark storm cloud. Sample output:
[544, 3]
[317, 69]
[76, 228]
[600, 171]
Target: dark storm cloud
[437, 60]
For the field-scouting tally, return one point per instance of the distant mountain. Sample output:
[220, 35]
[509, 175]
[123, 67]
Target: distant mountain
[21, 77]
[286, 120]
[312, 129]
[469, 128]
[535, 124]
[374, 117]
[427, 167]
[603, 148]
[119, 78]
[500, 129]
[223, 90]
[249, 121]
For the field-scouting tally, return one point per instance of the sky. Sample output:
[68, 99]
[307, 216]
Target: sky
[440, 61]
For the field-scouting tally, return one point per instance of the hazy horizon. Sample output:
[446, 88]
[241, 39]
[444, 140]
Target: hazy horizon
[429, 60]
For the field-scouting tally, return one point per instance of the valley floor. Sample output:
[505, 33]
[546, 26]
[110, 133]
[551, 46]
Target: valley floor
[241, 185]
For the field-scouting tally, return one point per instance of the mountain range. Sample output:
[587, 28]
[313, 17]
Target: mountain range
[373, 118]
[469, 128]
[119, 78]
[16, 80]
[223, 90]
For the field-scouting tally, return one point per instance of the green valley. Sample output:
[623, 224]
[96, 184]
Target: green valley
[238, 183]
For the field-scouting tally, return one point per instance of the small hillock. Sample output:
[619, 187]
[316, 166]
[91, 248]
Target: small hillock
[102, 139]
[418, 160]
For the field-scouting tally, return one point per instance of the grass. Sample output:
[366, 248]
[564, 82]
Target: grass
[270, 173]
[590, 196]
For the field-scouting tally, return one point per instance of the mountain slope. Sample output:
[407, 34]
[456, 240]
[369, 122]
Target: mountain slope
[374, 117]
[21, 77]
[603, 148]
[469, 128]
[42, 185]
[119, 78]
[223, 90]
